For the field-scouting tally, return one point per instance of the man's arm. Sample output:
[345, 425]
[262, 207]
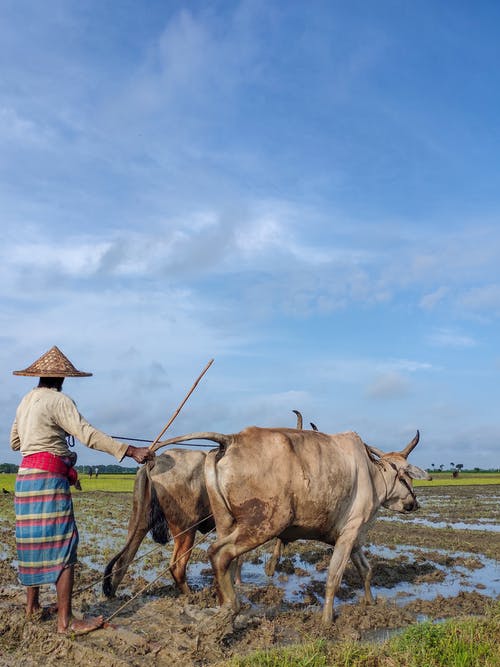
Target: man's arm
[69, 418]
[15, 442]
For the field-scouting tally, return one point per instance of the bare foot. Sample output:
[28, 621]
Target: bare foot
[83, 626]
[33, 611]
[111, 626]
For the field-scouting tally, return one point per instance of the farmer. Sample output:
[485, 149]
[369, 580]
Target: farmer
[46, 533]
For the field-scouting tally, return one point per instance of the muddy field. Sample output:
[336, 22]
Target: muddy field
[442, 562]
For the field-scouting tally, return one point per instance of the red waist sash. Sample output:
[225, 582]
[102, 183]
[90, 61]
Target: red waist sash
[50, 463]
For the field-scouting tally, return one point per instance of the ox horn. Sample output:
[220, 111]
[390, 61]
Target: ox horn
[374, 450]
[410, 446]
[299, 420]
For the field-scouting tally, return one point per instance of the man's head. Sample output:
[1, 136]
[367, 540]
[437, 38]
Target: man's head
[51, 383]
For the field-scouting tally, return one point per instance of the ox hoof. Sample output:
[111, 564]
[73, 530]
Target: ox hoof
[219, 624]
[109, 594]
[329, 619]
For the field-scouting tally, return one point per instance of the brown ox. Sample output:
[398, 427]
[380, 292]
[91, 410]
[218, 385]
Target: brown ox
[293, 484]
[170, 497]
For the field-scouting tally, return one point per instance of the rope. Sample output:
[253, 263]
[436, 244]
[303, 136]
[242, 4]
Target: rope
[159, 546]
[134, 597]
[93, 583]
[178, 444]
[120, 437]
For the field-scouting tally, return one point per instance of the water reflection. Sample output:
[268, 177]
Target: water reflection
[483, 574]
[457, 525]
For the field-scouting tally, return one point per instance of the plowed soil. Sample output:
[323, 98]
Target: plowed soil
[414, 566]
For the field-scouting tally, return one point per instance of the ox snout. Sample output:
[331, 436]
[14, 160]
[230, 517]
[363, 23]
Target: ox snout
[411, 505]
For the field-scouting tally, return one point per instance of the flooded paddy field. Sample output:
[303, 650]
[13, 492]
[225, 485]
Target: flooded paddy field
[441, 562]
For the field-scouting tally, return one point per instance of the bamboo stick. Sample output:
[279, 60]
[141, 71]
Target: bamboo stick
[153, 447]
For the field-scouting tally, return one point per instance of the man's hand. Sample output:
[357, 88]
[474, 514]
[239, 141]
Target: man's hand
[140, 454]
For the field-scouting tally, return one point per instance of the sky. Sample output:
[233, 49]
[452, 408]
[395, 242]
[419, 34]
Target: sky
[307, 193]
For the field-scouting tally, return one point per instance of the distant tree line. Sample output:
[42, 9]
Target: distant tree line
[8, 467]
[112, 469]
[458, 467]
[82, 470]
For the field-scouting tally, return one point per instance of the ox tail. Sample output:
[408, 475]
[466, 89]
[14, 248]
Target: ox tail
[219, 438]
[216, 496]
[107, 588]
[143, 490]
[157, 522]
[142, 483]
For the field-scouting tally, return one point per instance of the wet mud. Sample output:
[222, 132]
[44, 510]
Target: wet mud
[419, 571]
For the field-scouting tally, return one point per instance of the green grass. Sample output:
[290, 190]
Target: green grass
[452, 644]
[102, 483]
[117, 482]
[313, 654]
[470, 642]
[464, 479]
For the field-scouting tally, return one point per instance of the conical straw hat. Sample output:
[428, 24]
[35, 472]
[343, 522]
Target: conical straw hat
[52, 364]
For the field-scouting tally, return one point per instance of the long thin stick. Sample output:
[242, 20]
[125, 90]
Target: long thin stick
[153, 447]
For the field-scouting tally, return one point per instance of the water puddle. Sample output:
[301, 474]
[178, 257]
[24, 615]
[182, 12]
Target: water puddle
[483, 574]
[5, 552]
[467, 572]
[401, 574]
[456, 525]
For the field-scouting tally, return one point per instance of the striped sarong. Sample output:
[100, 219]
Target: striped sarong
[46, 532]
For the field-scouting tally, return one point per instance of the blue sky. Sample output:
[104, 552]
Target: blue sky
[306, 192]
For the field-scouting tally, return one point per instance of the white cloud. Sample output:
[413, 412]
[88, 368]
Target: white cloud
[451, 338]
[407, 365]
[185, 50]
[389, 386]
[484, 299]
[72, 257]
[195, 60]
[16, 129]
[261, 236]
[431, 300]
[279, 264]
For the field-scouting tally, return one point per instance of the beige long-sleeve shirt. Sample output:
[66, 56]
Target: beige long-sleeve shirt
[46, 416]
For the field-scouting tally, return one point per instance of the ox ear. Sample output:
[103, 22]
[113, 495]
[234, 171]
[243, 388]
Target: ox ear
[415, 472]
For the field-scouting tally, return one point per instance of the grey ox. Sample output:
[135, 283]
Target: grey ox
[292, 484]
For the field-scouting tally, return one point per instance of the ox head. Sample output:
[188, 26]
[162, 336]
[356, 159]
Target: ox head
[398, 475]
